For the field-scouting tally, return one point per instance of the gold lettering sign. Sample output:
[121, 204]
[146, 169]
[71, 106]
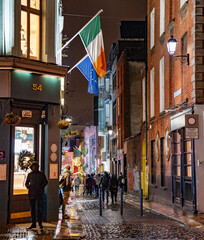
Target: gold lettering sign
[37, 87]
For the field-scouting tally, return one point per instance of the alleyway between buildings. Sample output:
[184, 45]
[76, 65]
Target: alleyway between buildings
[158, 222]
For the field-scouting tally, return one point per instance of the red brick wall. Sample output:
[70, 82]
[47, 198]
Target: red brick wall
[122, 120]
[177, 75]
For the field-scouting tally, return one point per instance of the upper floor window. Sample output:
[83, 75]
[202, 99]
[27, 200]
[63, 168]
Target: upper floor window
[162, 89]
[182, 3]
[152, 92]
[107, 84]
[114, 81]
[107, 112]
[152, 26]
[162, 16]
[30, 28]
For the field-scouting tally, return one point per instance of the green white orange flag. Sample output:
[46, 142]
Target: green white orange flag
[92, 39]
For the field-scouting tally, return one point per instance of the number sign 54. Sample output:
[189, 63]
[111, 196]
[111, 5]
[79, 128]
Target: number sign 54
[37, 87]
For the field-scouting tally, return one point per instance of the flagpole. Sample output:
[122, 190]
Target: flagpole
[77, 63]
[100, 11]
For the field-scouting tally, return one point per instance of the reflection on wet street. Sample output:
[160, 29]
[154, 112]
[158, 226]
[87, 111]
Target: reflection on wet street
[131, 225]
[84, 222]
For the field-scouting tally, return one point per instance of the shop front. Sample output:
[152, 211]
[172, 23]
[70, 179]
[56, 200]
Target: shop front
[31, 91]
[182, 163]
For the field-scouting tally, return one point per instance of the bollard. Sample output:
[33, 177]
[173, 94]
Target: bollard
[121, 201]
[141, 202]
[99, 197]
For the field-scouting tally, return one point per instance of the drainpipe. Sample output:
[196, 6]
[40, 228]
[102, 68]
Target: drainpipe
[146, 112]
[193, 173]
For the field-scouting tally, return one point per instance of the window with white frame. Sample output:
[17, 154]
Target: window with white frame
[152, 92]
[30, 28]
[162, 87]
[182, 2]
[107, 112]
[152, 26]
[162, 16]
[107, 84]
[143, 100]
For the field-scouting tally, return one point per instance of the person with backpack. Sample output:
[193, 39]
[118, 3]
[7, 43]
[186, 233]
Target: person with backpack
[104, 185]
[66, 184]
[113, 186]
[77, 182]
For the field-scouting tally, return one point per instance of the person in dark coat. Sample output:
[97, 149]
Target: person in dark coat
[113, 186]
[104, 185]
[35, 183]
[121, 180]
[89, 180]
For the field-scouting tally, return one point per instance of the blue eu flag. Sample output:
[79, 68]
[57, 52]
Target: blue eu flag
[87, 69]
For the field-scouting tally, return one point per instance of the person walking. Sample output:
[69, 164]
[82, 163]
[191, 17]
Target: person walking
[104, 184]
[35, 183]
[98, 178]
[121, 180]
[93, 183]
[66, 184]
[113, 186]
[77, 182]
[89, 185]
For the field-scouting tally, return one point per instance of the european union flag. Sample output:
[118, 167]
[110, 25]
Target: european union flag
[87, 69]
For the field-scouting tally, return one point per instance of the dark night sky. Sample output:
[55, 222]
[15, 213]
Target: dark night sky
[80, 103]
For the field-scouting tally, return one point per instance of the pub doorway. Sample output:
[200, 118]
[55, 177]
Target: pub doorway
[183, 185]
[25, 137]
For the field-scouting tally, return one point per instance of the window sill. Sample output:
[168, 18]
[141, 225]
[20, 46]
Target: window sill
[164, 188]
[171, 26]
[152, 119]
[162, 38]
[153, 185]
[183, 10]
[152, 50]
[162, 113]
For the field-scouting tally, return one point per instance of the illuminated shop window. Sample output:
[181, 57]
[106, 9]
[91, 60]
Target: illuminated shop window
[24, 2]
[24, 141]
[30, 28]
[35, 4]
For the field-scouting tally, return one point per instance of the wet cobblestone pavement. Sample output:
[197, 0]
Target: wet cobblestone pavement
[85, 223]
[131, 225]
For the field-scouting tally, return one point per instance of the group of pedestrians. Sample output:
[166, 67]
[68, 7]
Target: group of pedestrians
[36, 182]
[106, 183]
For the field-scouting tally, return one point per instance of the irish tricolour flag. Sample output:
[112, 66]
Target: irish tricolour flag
[92, 39]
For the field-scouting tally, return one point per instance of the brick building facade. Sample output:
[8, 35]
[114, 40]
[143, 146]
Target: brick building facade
[129, 73]
[174, 90]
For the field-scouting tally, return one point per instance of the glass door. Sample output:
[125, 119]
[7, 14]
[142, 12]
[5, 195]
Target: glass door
[182, 167]
[23, 143]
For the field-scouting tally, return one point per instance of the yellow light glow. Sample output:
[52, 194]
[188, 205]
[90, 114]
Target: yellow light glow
[62, 83]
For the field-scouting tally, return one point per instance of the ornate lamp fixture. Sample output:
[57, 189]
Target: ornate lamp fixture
[171, 46]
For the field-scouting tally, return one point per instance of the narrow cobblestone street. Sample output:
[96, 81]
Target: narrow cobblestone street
[85, 223]
[129, 226]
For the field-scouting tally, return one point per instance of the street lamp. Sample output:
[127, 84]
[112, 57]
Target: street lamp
[171, 46]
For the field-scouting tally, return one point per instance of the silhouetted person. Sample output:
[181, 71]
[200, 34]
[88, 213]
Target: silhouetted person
[121, 180]
[104, 184]
[113, 186]
[36, 182]
[89, 180]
